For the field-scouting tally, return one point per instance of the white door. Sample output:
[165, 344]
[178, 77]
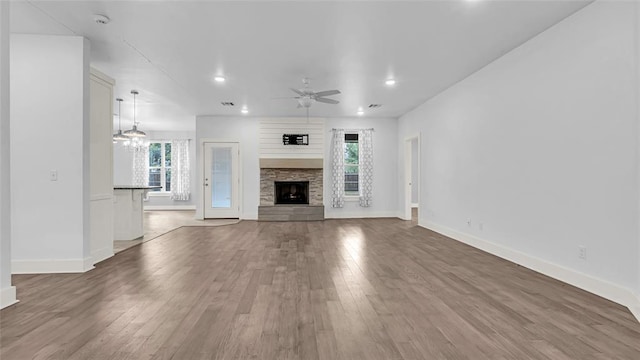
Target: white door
[407, 179]
[221, 181]
[411, 175]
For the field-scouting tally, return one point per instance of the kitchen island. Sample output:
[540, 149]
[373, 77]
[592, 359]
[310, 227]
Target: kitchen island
[128, 219]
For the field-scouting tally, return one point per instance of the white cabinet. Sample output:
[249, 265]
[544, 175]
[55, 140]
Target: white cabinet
[127, 212]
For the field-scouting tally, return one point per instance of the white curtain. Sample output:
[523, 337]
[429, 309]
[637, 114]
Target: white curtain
[337, 169]
[365, 138]
[141, 166]
[180, 181]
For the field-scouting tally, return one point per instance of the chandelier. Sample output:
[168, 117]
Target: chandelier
[136, 144]
[134, 132]
[134, 136]
[119, 136]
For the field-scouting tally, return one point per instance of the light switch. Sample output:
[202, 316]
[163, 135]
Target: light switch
[53, 175]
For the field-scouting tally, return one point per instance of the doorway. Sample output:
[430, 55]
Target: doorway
[412, 178]
[221, 180]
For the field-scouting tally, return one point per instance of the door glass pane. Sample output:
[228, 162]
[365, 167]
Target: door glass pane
[167, 185]
[221, 177]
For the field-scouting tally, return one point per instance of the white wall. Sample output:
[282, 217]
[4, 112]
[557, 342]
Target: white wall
[122, 165]
[50, 131]
[271, 131]
[244, 130]
[7, 292]
[123, 169]
[636, 310]
[540, 147]
[385, 168]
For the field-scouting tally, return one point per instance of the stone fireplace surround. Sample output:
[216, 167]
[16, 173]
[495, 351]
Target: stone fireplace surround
[268, 177]
[268, 211]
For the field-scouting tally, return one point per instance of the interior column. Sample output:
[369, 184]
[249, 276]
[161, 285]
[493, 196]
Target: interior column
[7, 292]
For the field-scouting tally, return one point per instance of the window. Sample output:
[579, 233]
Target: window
[160, 166]
[351, 165]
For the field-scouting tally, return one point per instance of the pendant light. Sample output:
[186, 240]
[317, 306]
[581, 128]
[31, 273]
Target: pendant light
[134, 132]
[119, 136]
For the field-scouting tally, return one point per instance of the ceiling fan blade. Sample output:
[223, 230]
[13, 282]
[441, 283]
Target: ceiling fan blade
[327, 93]
[297, 91]
[286, 97]
[327, 101]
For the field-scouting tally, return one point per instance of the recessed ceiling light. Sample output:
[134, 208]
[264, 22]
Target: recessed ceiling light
[244, 110]
[219, 78]
[390, 82]
[360, 112]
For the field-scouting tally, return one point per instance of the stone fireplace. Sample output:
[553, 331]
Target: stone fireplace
[290, 194]
[284, 163]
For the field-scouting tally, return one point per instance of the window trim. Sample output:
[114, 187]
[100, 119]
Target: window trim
[158, 193]
[163, 169]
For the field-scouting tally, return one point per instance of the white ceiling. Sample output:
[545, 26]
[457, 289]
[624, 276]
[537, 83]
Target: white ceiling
[170, 50]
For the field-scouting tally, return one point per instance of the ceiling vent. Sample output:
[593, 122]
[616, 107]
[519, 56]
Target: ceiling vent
[227, 103]
[101, 19]
[374, 106]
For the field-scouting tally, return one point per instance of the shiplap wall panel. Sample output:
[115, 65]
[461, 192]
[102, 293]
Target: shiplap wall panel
[271, 131]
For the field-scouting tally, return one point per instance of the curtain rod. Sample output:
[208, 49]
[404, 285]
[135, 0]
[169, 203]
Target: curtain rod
[372, 129]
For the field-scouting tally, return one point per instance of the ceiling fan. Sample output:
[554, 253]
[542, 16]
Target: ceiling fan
[306, 96]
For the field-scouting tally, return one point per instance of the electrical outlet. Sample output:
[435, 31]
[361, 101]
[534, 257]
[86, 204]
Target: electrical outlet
[53, 175]
[582, 252]
[469, 223]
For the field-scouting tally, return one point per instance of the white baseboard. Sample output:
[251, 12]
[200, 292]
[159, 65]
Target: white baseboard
[51, 266]
[102, 254]
[8, 297]
[87, 264]
[169, 207]
[603, 288]
[98, 197]
[249, 216]
[414, 205]
[359, 214]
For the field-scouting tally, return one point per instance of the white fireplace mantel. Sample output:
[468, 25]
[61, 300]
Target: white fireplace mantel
[266, 163]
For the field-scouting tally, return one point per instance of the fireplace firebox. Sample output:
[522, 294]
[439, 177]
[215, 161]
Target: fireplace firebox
[291, 192]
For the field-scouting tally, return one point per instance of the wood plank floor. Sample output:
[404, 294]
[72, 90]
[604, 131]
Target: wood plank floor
[159, 222]
[336, 289]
